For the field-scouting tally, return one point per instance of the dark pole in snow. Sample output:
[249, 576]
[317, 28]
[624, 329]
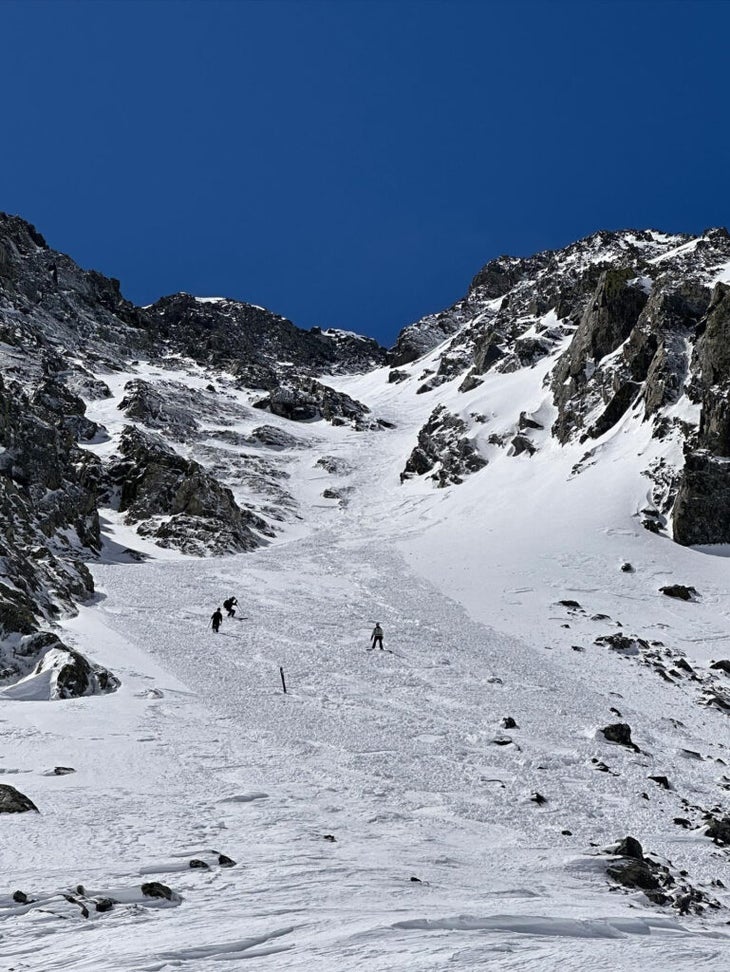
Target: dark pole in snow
[283, 683]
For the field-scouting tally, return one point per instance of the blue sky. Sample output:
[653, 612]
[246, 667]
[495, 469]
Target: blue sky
[353, 164]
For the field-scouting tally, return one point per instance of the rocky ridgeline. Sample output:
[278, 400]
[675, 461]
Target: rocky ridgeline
[62, 329]
[648, 323]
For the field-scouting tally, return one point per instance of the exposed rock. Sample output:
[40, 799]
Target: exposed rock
[723, 665]
[627, 568]
[443, 450]
[235, 335]
[719, 830]
[73, 676]
[305, 400]
[395, 376]
[620, 732]
[224, 861]
[522, 445]
[626, 644]
[274, 438]
[661, 780]
[629, 847]
[13, 801]
[176, 502]
[334, 465]
[679, 591]
[701, 512]
[197, 864]
[155, 889]
[164, 407]
[634, 874]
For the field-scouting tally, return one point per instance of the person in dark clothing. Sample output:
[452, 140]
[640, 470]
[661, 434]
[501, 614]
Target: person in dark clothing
[230, 606]
[377, 636]
[215, 620]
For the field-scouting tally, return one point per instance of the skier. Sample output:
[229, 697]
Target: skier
[377, 636]
[230, 606]
[215, 620]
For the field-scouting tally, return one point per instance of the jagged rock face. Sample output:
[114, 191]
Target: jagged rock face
[631, 325]
[48, 497]
[236, 335]
[606, 323]
[701, 514]
[443, 450]
[176, 503]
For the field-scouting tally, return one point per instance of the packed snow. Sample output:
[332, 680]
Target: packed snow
[379, 815]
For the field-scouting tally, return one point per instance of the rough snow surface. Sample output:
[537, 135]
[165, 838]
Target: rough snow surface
[398, 755]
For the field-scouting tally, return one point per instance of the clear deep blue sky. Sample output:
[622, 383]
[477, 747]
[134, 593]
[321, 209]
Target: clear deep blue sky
[354, 164]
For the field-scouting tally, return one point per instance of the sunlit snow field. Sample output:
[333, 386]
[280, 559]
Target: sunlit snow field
[395, 754]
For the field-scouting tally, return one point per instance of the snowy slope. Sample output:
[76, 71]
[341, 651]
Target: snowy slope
[401, 757]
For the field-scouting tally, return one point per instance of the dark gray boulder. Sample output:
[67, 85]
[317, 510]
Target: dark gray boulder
[629, 847]
[634, 874]
[620, 732]
[13, 801]
[155, 889]
[679, 591]
[719, 830]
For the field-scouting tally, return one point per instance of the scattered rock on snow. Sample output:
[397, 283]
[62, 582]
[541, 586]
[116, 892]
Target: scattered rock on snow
[719, 830]
[722, 665]
[679, 591]
[155, 889]
[661, 780]
[13, 801]
[620, 732]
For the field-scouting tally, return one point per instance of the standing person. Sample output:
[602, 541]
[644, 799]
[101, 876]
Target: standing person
[230, 606]
[215, 620]
[377, 636]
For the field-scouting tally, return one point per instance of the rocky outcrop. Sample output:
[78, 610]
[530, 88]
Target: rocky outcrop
[701, 513]
[61, 673]
[307, 400]
[606, 323]
[241, 337]
[48, 508]
[176, 503]
[443, 450]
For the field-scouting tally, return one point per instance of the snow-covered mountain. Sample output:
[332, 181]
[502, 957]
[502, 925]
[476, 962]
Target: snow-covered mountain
[528, 492]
